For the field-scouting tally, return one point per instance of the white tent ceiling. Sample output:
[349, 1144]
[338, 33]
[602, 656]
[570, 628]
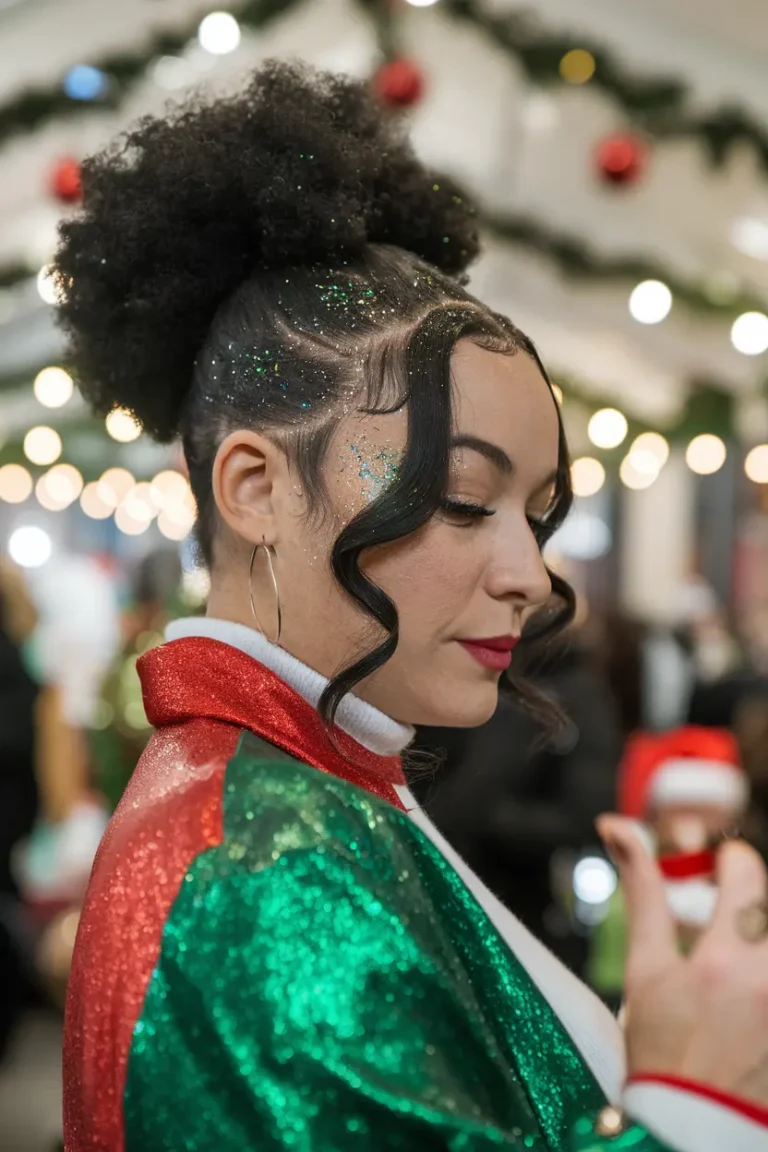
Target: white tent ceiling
[481, 121]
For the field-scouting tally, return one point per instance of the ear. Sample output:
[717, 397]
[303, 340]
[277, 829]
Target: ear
[244, 474]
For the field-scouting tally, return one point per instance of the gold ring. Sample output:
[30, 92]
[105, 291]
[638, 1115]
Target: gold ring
[752, 922]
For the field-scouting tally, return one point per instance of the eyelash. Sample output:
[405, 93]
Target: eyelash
[467, 510]
[542, 530]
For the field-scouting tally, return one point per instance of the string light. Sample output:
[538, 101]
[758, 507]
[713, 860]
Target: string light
[557, 392]
[608, 428]
[422, 3]
[46, 284]
[750, 237]
[170, 529]
[749, 334]
[42, 445]
[577, 66]
[219, 33]
[632, 477]
[92, 503]
[59, 487]
[705, 454]
[756, 464]
[650, 302]
[114, 486]
[138, 503]
[168, 486]
[30, 546]
[654, 444]
[47, 499]
[126, 523]
[84, 82]
[15, 483]
[122, 426]
[587, 476]
[53, 387]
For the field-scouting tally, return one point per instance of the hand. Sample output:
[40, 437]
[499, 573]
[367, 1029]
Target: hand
[703, 1017]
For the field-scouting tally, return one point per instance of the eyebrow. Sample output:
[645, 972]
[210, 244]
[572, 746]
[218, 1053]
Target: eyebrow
[499, 458]
[492, 452]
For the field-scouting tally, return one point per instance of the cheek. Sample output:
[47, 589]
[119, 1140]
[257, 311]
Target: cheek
[431, 577]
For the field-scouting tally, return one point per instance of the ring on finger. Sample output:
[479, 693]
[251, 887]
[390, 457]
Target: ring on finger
[752, 922]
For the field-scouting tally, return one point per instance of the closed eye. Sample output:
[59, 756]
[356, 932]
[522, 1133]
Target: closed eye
[466, 511]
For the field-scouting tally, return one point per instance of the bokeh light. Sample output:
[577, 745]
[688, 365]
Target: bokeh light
[122, 426]
[634, 478]
[15, 483]
[93, 505]
[84, 82]
[138, 503]
[219, 33]
[577, 66]
[587, 476]
[114, 485]
[608, 428]
[654, 444]
[705, 454]
[30, 546]
[126, 523]
[42, 445]
[756, 464]
[749, 334]
[59, 487]
[173, 530]
[650, 302]
[47, 286]
[53, 387]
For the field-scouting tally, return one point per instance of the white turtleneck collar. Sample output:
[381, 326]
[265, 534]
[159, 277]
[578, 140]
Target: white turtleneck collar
[364, 723]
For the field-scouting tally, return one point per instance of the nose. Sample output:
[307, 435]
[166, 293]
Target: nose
[517, 570]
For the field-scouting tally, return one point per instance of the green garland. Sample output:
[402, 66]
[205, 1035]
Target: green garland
[574, 259]
[708, 407]
[37, 106]
[656, 105]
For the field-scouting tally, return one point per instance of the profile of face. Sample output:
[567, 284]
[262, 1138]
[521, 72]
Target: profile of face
[463, 584]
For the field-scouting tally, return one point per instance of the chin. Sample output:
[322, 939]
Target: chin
[460, 705]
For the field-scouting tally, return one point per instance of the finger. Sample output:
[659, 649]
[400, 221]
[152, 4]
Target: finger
[742, 881]
[651, 927]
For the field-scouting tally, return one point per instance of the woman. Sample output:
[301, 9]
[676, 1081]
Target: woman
[278, 950]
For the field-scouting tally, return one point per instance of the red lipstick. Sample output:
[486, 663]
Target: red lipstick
[493, 652]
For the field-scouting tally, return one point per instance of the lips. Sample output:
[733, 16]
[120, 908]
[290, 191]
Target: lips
[493, 652]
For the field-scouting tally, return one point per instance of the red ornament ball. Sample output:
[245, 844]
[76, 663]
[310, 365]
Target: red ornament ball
[621, 159]
[66, 183]
[399, 83]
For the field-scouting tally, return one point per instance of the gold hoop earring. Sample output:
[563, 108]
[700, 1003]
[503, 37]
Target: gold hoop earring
[274, 585]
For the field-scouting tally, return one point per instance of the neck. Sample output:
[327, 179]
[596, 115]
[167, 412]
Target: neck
[364, 723]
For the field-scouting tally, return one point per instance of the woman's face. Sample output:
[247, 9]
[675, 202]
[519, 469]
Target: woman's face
[463, 584]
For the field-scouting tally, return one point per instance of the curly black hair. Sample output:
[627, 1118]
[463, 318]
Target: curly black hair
[268, 259]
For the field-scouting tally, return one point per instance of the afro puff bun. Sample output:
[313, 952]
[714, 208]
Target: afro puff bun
[299, 168]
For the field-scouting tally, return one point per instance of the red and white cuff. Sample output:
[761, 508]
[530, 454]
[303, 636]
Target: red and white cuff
[692, 1117]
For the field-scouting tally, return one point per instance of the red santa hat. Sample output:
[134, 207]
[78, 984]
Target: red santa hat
[692, 765]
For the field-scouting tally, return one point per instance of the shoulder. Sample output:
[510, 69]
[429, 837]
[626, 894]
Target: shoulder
[273, 804]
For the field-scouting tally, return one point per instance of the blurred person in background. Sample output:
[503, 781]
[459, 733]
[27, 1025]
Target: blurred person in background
[521, 809]
[120, 730]
[687, 791]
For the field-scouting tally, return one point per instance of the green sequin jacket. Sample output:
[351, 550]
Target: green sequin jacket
[275, 954]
